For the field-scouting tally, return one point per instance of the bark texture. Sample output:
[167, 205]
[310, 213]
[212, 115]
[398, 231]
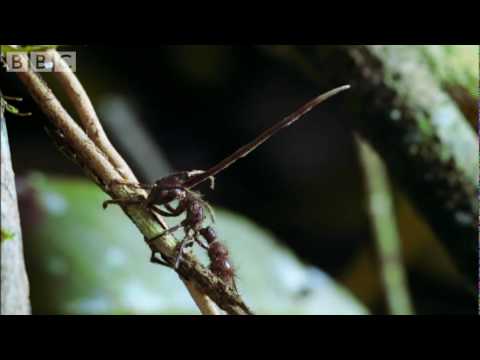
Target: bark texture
[14, 286]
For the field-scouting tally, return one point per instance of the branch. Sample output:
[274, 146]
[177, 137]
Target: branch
[424, 139]
[199, 280]
[86, 113]
[382, 217]
[14, 281]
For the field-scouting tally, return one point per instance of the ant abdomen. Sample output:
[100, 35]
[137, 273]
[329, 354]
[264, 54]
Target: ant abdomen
[223, 269]
[220, 263]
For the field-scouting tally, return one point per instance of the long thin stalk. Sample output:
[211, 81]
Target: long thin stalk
[382, 217]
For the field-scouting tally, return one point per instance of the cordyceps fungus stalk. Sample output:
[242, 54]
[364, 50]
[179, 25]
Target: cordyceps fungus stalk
[264, 136]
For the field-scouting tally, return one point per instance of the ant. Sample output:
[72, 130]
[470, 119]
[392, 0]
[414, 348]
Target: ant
[178, 187]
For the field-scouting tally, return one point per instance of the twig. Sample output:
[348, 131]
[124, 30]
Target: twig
[199, 280]
[14, 281]
[86, 113]
[385, 229]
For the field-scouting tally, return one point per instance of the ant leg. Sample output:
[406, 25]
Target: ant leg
[200, 242]
[199, 172]
[207, 207]
[168, 231]
[132, 201]
[186, 240]
[163, 212]
[175, 211]
[155, 260]
[171, 210]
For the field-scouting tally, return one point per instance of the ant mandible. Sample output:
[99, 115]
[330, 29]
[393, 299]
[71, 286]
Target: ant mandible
[178, 187]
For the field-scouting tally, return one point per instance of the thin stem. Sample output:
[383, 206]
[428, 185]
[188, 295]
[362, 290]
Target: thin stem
[86, 112]
[384, 225]
[206, 306]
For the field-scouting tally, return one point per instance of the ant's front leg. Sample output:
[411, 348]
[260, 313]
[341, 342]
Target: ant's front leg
[171, 211]
[168, 231]
[192, 173]
[156, 260]
[163, 212]
[133, 201]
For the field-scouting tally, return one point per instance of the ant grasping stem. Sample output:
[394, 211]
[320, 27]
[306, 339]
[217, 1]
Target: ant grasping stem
[178, 187]
[165, 191]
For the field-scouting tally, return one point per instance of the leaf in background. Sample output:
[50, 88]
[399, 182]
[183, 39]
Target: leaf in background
[26, 48]
[84, 260]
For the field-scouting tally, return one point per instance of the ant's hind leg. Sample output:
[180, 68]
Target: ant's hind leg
[186, 242]
[156, 260]
[200, 242]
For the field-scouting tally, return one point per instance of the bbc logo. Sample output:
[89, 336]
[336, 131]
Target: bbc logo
[38, 61]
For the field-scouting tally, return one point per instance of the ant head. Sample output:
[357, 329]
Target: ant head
[163, 196]
[171, 181]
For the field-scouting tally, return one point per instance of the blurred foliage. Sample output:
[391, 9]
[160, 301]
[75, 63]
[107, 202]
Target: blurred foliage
[82, 259]
[4, 105]
[26, 48]
[454, 64]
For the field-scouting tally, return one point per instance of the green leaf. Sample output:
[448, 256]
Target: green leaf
[26, 48]
[7, 235]
[86, 260]
[10, 108]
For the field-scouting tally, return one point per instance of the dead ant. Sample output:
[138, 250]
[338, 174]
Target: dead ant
[178, 187]
[164, 192]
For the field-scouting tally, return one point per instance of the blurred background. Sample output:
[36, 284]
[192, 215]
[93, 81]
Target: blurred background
[293, 212]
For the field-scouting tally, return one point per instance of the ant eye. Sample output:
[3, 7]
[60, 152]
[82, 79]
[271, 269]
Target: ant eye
[178, 193]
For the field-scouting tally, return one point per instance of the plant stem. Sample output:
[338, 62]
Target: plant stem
[86, 113]
[385, 229]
